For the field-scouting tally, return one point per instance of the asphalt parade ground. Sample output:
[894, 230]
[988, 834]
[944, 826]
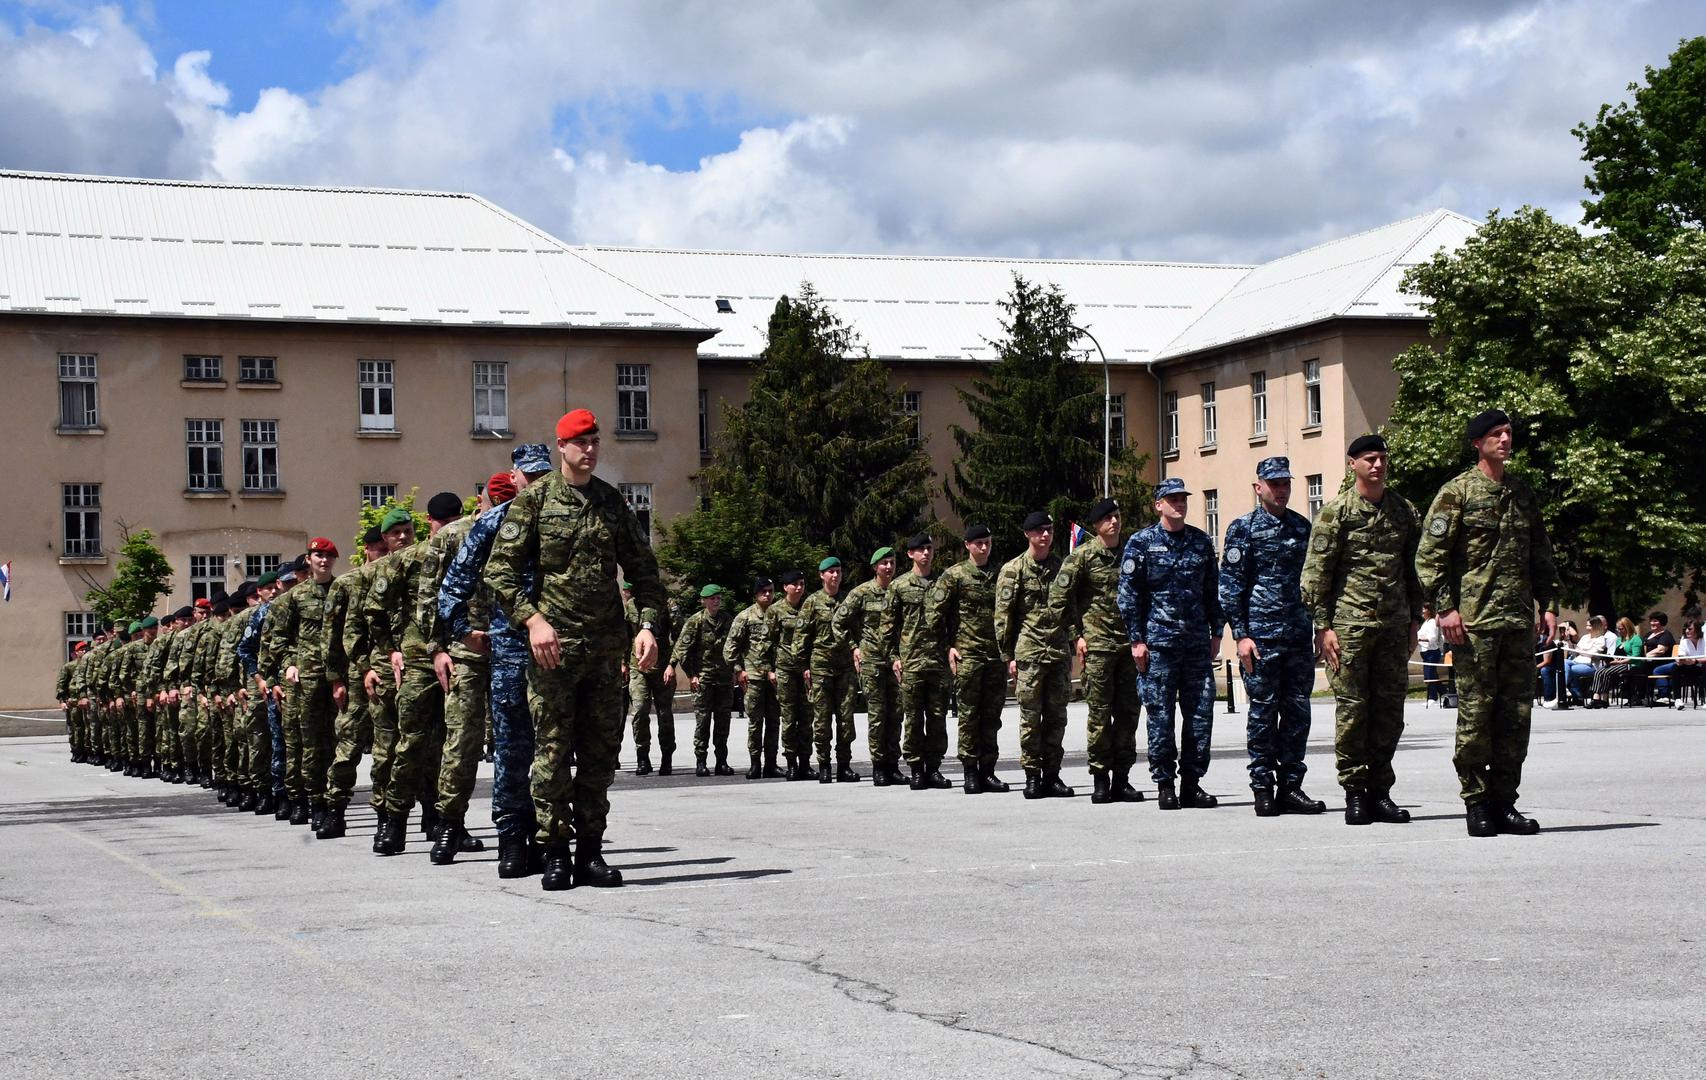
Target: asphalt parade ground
[774, 929]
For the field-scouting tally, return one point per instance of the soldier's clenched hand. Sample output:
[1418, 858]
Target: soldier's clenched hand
[645, 650]
[542, 639]
[1451, 628]
[1248, 654]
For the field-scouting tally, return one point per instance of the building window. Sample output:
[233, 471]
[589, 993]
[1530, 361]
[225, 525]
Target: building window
[204, 441]
[704, 424]
[1210, 415]
[1317, 495]
[79, 626]
[1172, 421]
[203, 368]
[82, 504]
[257, 369]
[254, 566]
[378, 395]
[907, 405]
[1211, 516]
[374, 495]
[260, 455]
[633, 397]
[1312, 393]
[491, 397]
[77, 391]
[1116, 422]
[1259, 404]
[639, 499]
[207, 576]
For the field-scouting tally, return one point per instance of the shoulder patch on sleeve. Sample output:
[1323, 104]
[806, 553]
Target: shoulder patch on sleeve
[1234, 555]
[1437, 526]
[1006, 592]
[1129, 566]
[510, 530]
[380, 582]
[1319, 543]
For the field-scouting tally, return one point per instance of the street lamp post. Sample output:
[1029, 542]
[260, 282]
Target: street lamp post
[1107, 407]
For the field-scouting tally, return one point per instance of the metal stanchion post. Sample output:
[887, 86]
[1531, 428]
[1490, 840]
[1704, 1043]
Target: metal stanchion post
[1231, 703]
[1563, 686]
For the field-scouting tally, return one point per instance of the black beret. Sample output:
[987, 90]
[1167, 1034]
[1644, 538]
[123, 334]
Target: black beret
[1100, 511]
[445, 506]
[220, 606]
[218, 595]
[977, 532]
[299, 564]
[1485, 422]
[373, 537]
[789, 577]
[1036, 519]
[185, 612]
[246, 590]
[1362, 444]
[920, 540]
[761, 583]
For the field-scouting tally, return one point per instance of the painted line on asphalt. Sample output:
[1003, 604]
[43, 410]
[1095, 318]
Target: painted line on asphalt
[37, 719]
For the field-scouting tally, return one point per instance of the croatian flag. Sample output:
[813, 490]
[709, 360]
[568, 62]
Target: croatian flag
[6, 581]
[1075, 536]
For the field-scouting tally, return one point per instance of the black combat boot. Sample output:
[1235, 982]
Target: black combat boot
[316, 816]
[933, 776]
[792, 772]
[1099, 787]
[723, 768]
[192, 778]
[245, 801]
[665, 766]
[771, 772]
[1478, 816]
[300, 812]
[994, 784]
[699, 766]
[1508, 819]
[223, 795]
[895, 776]
[644, 768]
[1120, 787]
[590, 867]
[470, 842]
[559, 871]
[1358, 810]
[332, 826]
[756, 771]
[1034, 784]
[379, 831]
[393, 835]
[879, 775]
[1385, 810]
[1265, 801]
[206, 780]
[825, 771]
[973, 778]
[803, 769]
[282, 807]
[844, 772]
[1192, 796]
[512, 857]
[1292, 800]
[430, 822]
[1055, 788]
[1166, 797]
[449, 842]
[920, 778]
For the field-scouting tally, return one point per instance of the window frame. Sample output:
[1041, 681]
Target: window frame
[258, 564]
[268, 376]
[1312, 393]
[79, 626]
[1170, 407]
[204, 367]
[1210, 413]
[204, 575]
[1315, 493]
[633, 399]
[1116, 423]
[910, 404]
[88, 388]
[1211, 516]
[489, 421]
[254, 442]
[210, 448]
[634, 494]
[378, 377]
[82, 501]
[383, 491]
[1258, 404]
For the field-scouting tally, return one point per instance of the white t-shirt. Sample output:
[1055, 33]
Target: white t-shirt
[1605, 644]
[1685, 647]
[1428, 637]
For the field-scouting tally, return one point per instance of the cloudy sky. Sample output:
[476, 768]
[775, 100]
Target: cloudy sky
[1163, 129]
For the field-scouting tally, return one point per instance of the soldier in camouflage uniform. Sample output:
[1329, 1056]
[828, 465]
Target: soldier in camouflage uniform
[913, 631]
[233, 686]
[294, 652]
[162, 679]
[965, 598]
[648, 692]
[1485, 564]
[579, 534]
[1261, 569]
[63, 693]
[352, 729]
[192, 718]
[859, 622]
[793, 664]
[1036, 652]
[751, 652]
[1170, 600]
[1083, 599]
[1361, 587]
[362, 640]
[699, 656]
[262, 710]
[832, 689]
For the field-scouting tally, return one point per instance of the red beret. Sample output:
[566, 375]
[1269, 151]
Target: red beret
[576, 423]
[79, 647]
[500, 488]
[321, 545]
[204, 602]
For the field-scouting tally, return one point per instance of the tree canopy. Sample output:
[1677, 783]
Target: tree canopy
[143, 575]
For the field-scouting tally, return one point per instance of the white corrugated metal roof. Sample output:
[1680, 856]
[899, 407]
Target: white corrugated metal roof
[1356, 275]
[919, 307]
[99, 245]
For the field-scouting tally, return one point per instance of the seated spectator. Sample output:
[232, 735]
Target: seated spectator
[1656, 647]
[1431, 643]
[1551, 662]
[1597, 642]
[1620, 672]
[1682, 675]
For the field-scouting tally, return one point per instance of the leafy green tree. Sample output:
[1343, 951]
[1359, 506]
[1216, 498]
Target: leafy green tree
[1649, 156]
[720, 546]
[371, 516]
[143, 575]
[1037, 444]
[1592, 347]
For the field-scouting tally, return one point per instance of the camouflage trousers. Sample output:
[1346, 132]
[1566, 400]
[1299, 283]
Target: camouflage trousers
[1042, 690]
[577, 707]
[76, 730]
[166, 736]
[981, 688]
[711, 707]
[419, 752]
[924, 713]
[882, 710]
[354, 730]
[212, 718]
[512, 738]
[251, 757]
[761, 715]
[1495, 695]
[1277, 719]
[1110, 692]
[793, 700]
[192, 729]
[309, 737]
[834, 695]
[1182, 677]
[382, 717]
[647, 694]
[234, 741]
[1369, 717]
[465, 711]
[272, 750]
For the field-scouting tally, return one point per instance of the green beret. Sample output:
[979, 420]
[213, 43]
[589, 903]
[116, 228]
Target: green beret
[149, 623]
[828, 564]
[880, 554]
[394, 518]
[136, 626]
[709, 591]
[267, 578]
[626, 586]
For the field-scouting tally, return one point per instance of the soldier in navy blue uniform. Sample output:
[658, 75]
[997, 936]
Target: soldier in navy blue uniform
[1261, 571]
[1170, 600]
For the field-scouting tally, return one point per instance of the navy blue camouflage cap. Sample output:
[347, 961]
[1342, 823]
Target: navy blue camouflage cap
[1274, 468]
[1170, 486]
[531, 458]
